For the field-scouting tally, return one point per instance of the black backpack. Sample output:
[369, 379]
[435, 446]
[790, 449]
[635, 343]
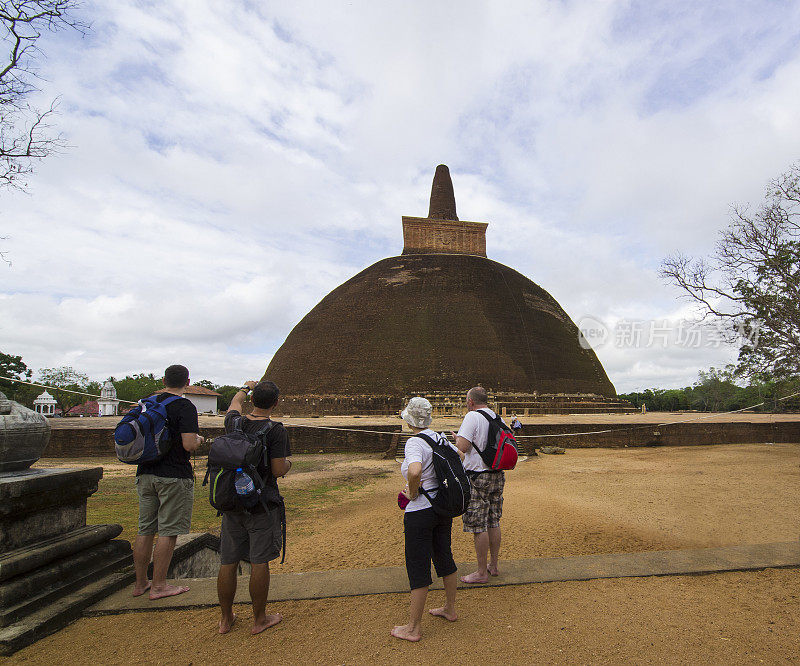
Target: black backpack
[243, 451]
[452, 498]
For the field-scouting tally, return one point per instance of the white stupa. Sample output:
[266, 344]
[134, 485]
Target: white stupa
[108, 402]
[45, 404]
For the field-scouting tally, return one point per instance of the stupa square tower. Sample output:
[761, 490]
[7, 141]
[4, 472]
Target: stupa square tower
[435, 321]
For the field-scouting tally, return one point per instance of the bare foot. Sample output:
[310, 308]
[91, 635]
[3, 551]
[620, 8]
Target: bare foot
[442, 612]
[225, 623]
[139, 591]
[494, 570]
[166, 591]
[266, 623]
[474, 578]
[405, 632]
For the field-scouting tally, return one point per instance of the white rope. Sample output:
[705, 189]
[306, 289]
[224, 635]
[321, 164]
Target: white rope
[56, 388]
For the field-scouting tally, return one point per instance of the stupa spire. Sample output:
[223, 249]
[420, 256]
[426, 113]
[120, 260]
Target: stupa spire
[442, 231]
[443, 199]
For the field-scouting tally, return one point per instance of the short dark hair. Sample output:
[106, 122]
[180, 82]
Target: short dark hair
[265, 395]
[176, 376]
[478, 395]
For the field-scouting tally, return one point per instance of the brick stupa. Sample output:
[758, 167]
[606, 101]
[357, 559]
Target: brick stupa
[435, 321]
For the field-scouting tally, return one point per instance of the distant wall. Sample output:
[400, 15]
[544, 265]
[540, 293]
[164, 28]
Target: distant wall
[682, 434]
[99, 442]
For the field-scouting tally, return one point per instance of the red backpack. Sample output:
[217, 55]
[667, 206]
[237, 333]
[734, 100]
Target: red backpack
[501, 447]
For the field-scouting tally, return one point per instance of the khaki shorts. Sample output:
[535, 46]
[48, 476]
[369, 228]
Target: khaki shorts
[253, 537]
[485, 502]
[165, 505]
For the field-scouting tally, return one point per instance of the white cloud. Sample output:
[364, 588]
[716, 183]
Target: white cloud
[229, 169]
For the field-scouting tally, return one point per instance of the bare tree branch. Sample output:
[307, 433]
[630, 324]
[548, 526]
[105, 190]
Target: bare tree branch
[25, 134]
[753, 278]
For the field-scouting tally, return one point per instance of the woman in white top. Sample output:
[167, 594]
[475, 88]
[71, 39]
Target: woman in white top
[427, 534]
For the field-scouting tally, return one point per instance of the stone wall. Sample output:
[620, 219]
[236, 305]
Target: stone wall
[682, 434]
[423, 235]
[99, 442]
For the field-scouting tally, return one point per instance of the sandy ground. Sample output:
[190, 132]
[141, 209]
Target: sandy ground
[587, 501]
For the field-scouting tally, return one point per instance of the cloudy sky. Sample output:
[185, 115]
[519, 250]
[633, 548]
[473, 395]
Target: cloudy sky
[229, 168]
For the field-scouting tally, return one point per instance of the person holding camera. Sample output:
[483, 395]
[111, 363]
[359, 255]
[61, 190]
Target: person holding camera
[254, 535]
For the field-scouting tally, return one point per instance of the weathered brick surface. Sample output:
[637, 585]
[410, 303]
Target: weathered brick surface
[436, 322]
[422, 235]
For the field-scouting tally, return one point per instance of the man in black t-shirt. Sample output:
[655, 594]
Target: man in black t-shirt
[166, 491]
[254, 536]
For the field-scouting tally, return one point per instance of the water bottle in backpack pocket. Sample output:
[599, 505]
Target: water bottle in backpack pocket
[245, 489]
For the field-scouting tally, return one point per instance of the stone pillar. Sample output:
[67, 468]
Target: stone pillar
[52, 565]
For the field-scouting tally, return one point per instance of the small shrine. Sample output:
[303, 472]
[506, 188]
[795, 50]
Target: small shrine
[45, 404]
[108, 403]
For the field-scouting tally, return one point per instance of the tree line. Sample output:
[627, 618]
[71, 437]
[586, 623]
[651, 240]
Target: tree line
[720, 390]
[130, 388]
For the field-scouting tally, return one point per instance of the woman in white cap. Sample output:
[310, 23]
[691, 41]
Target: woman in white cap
[427, 534]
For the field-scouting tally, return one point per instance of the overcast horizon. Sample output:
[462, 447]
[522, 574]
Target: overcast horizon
[225, 171]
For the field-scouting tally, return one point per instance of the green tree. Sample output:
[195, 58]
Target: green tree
[66, 377]
[205, 383]
[138, 386]
[715, 389]
[227, 392]
[751, 282]
[14, 367]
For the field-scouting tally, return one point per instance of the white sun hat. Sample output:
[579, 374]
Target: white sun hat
[417, 413]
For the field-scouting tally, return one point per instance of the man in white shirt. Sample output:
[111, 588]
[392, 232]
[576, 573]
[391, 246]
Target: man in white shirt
[482, 517]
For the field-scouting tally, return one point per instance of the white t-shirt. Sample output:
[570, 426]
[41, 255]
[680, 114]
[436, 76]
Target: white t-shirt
[475, 428]
[418, 450]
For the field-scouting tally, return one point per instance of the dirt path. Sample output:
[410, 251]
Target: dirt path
[742, 618]
[587, 501]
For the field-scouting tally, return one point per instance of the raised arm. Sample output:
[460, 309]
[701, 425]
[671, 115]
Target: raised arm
[239, 398]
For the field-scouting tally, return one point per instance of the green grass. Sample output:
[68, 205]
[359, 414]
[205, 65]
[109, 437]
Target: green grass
[116, 500]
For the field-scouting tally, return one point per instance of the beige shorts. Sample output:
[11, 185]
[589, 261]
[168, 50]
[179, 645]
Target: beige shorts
[165, 505]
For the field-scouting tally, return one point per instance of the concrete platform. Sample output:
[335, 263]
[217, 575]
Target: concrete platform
[383, 580]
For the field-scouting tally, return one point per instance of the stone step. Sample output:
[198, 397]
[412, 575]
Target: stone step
[27, 593]
[59, 614]
[49, 550]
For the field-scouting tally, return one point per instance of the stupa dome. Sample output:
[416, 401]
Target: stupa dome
[439, 318]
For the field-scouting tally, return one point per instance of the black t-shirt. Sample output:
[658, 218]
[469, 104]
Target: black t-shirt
[276, 441]
[181, 418]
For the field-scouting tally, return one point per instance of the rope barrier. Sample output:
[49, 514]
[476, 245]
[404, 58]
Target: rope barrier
[56, 388]
[407, 435]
